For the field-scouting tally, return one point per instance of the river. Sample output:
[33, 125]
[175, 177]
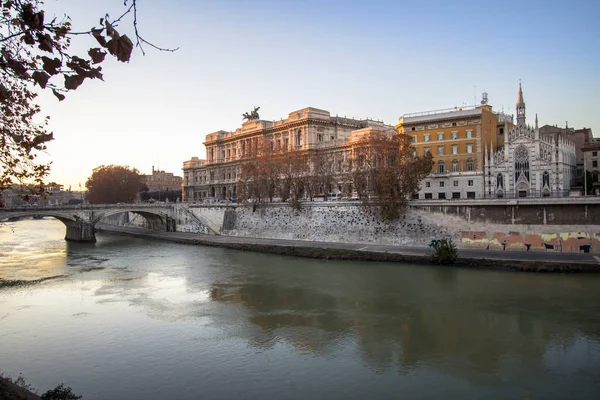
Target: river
[130, 318]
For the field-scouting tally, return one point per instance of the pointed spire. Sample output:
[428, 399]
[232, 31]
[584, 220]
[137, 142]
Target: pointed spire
[520, 100]
[520, 107]
[536, 121]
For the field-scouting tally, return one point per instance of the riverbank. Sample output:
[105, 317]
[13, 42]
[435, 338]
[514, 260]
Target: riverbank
[470, 258]
[10, 391]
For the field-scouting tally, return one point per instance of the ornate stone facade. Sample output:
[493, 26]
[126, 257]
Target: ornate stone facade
[529, 164]
[307, 129]
[161, 181]
[456, 138]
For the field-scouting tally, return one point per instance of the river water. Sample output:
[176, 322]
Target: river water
[131, 318]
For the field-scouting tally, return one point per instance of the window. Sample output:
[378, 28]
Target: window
[470, 195]
[455, 183]
[426, 137]
[502, 131]
[456, 195]
[441, 167]
[440, 150]
[286, 143]
[595, 164]
[428, 196]
[469, 134]
[470, 182]
[470, 165]
[426, 150]
[272, 145]
[441, 195]
[413, 139]
[320, 137]
[415, 196]
[470, 148]
[594, 154]
[441, 183]
[332, 137]
[454, 149]
[413, 128]
[427, 184]
[299, 138]
[454, 135]
[454, 124]
[440, 136]
[455, 166]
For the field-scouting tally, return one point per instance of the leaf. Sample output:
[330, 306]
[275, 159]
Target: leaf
[51, 65]
[59, 96]
[97, 55]
[72, 82]
[41, 78]
[124, 49]
[97, 33]
[110, 31]
[46, 43]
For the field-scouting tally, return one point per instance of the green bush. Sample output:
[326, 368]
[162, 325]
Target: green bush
[444, 251]
[60, 393]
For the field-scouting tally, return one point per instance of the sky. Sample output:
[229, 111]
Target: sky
[362, 59]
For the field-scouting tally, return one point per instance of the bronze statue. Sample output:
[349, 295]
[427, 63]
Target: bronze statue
[252, 115]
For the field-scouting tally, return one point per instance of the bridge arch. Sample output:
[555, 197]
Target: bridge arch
[77, 228]
[155, 218]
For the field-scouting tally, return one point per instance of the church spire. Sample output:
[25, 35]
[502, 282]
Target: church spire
[520, 107]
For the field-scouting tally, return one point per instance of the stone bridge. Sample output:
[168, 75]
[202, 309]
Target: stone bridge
[80, 220]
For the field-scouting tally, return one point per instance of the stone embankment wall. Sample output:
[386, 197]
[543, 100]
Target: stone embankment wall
[566, 226]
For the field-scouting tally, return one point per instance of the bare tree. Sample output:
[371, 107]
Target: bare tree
[387, 172]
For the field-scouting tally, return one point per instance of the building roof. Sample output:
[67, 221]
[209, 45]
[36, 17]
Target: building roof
[437, 115]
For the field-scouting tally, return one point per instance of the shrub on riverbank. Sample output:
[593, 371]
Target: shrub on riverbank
[444, 251]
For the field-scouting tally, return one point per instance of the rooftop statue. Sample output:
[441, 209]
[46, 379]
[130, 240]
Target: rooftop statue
[252, 115]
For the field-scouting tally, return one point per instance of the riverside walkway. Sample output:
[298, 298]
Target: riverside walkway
[508, 259]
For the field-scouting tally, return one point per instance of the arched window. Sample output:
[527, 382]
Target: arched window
[521, 163]
[545, 179]
[441, 168]
[455, 165]
[470, 164]
[499, 181]
[299, 138]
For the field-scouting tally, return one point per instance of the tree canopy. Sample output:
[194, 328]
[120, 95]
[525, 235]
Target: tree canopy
[381, 168]
[35, 55]
[110, 184]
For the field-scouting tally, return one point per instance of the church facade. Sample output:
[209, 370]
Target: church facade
[528, 164]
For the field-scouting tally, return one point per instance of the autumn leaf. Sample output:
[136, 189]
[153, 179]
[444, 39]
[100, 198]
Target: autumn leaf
[72, 82]
[46, 43]
[97, 33]
[120, 47]
[97, 55]
[41, 78]
[59, 96]
[51, 65]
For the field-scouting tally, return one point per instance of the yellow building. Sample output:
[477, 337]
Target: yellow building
[459, 140]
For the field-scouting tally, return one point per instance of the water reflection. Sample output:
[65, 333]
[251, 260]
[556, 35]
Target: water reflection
[441, 319]
[246, 323]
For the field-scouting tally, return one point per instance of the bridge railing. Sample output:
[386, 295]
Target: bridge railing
[87, 206]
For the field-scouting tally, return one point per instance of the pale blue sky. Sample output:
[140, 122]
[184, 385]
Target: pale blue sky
[376, 59]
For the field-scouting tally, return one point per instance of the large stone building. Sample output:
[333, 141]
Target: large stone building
[529, 164]
[161, 181]
[457, 139]
[591, 162]
[306, 129]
